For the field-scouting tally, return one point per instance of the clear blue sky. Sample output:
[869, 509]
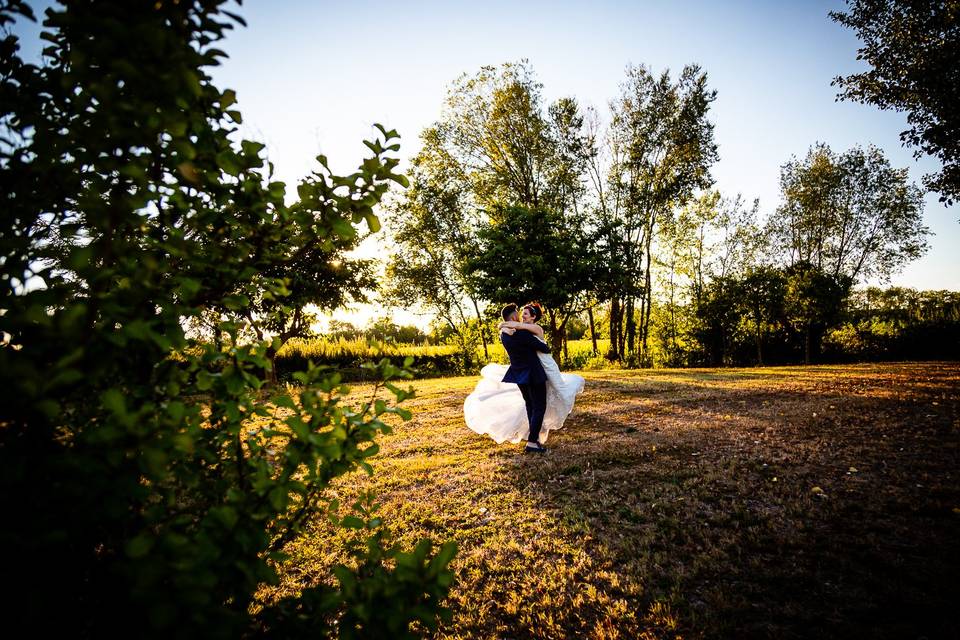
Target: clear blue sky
[312, 77]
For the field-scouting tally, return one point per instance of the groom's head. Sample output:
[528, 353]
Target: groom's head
[509, 312]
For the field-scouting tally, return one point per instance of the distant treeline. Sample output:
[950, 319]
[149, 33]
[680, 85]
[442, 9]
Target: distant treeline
[873, 325]
[897, 324]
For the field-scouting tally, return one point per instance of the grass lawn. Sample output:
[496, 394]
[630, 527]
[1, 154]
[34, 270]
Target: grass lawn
[780, 502]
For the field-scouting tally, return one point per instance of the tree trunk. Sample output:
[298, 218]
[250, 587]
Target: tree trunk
[483, 333]
[622, 346]
[806, 346]
[631, 346]
[759, 346]
[593, 331]
[673, 315]
[465, 351]
[272, 379]
[613, 352]
[645, 312]
[556, 339]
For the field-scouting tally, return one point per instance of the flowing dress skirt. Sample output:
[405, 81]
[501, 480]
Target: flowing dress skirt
[496, 408]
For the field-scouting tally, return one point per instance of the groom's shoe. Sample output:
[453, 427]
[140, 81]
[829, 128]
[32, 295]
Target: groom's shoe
[537, 449]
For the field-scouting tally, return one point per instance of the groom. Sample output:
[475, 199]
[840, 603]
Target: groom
[527, 373]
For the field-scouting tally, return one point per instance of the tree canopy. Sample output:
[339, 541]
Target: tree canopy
[913, 49]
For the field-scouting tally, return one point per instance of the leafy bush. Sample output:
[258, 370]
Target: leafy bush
[144, 494]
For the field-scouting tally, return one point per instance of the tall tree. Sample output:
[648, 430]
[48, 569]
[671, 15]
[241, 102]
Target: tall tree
[713, 238]
[507, 143]
[318, 272]
[762, 293]
[662, 149]
[913, 49]
[533, 255]
[496, 145]
[850, 215]
[434, 230]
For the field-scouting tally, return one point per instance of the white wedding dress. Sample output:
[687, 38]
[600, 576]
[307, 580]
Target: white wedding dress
[497, 409]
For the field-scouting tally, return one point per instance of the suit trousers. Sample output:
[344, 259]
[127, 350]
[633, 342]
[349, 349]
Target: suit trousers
[535, 398]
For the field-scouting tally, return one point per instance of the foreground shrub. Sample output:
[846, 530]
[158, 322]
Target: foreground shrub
[147, 495]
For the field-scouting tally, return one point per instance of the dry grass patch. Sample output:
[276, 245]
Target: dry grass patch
[777, 502]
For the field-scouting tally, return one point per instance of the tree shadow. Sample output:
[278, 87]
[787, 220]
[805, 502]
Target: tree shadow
[757, 512]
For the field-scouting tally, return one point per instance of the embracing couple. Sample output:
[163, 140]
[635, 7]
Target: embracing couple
[528, 398]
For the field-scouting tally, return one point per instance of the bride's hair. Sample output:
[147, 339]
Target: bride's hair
[535, 309]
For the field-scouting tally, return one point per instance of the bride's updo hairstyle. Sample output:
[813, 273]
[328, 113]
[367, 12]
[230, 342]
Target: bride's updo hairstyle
[535, 310]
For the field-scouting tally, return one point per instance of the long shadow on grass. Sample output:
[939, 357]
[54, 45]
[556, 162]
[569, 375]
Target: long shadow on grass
[742, 547]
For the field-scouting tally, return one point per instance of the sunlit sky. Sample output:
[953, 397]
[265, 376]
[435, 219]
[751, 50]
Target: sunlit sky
[312, 77]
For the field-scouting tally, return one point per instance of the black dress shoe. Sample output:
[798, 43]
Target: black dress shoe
[538, 449]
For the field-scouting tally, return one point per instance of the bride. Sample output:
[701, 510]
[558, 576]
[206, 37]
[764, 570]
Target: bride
[497, 408]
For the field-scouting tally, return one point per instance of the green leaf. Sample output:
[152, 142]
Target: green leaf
[446, 553]
[48, 407]
[251, 148]
[226, 515]
[227, 161]
[353, 522]
[113, 401]
[373, 222]
[278, 498]
[204, 381]
[343, 228]
[234, 382]
[345, 577]
[237, 302]
[228, 98]
[140, 545]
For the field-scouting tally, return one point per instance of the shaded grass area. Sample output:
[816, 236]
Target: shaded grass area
[789, 502]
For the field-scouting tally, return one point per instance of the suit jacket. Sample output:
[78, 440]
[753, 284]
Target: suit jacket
[525, 367]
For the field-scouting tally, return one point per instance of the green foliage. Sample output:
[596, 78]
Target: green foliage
[850, 215]
[348, 356]
[897, 324]
[812, 303]
[146, 494]
[533, 255]
[763, 295]
[913, 50]
[496, 145]
[661, 148]
[718, 314]
[384, 329]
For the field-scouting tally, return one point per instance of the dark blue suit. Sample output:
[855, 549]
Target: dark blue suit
[527, 373]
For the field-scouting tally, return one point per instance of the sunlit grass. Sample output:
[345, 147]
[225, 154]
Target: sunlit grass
[321, 348]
